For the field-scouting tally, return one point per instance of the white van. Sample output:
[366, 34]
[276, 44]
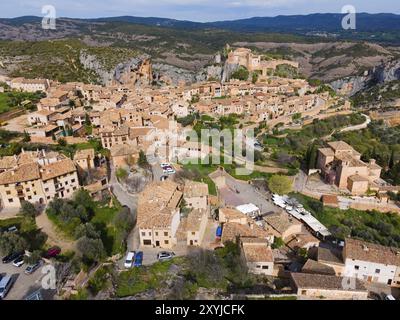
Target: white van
[130, 257]
[5, 286]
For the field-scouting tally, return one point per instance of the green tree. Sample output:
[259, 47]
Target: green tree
[62, 142]
[28, 209]
[278, 243]
[280, 184]
[33, 258]
[254, 77]
[11, 242]
[124, 220]
[92, 250]
[311, 157]
[142, 161]
[86, 230]
[241, 74]
[121, 174]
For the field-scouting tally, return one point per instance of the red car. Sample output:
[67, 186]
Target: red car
[52, 252]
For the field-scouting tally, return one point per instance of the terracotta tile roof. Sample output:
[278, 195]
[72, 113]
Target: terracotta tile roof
[358, 178]
[157, 204]
[57, 169]
[258, 253]
[302, 240]
[8, 162]
[280, 221]
[327, 282]
[327, 152]
[195, 189]
[315, 267]
[330, 200]
[84, 154]
[340, 146]
[232, 230]
[329, 256]
[194, 220]
[123, 150]
[25, 172]
[365, 251]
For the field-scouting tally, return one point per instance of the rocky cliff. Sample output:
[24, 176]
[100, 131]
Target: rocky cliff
[137, 70]
[381, 74]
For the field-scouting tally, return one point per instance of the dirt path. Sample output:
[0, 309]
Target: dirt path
[55, 236]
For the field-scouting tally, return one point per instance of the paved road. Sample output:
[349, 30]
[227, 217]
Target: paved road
[359, 126]
[129, 200]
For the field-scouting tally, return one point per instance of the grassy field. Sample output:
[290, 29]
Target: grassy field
[4, 103]
[103, 221]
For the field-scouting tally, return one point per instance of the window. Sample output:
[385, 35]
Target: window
[147, 242]
[47, 189]
[143, 234]
[166, 242]
[10, 200]
[73, 181]
[8, 192]
[193, 233]
[29, 198]
[265, 267]
[156, 234]
[356, 267]
[378, 271]
[27, 189]
[150, 234]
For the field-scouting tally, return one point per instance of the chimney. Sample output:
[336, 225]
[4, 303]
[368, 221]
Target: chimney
[372, 161]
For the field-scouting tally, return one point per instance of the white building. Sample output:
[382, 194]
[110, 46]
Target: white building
[250, 210]
[371, 262]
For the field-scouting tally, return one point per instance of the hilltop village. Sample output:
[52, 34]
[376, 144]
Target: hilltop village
[92, 163]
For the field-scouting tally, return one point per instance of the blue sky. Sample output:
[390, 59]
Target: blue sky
[195, 10]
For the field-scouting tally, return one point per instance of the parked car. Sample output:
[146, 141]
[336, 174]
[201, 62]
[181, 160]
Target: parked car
[138, 259]
[18, 262]
[163, 165]
[12, 229]
[130, 257]
[169, 170]
[52, 252]
[33, 267]
[164, 256]
[5, 286]
[11, 257]
[389, 297]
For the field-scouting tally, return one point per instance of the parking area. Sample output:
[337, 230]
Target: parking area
[237, 193]
[180, 250]
[23, 284]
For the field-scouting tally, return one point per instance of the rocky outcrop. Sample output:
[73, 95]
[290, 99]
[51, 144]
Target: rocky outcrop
[167, 74]
[137, 71]
[229, 69]
[381, 74]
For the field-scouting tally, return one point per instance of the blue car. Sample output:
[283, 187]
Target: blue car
[138, 259]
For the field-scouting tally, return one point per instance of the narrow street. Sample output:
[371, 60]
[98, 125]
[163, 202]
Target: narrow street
[126, 199]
